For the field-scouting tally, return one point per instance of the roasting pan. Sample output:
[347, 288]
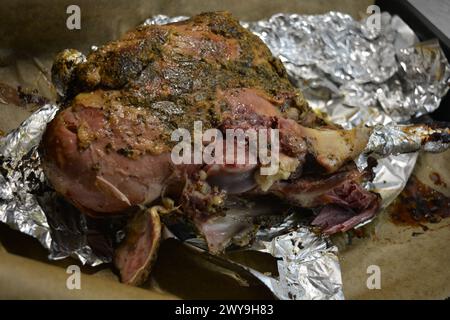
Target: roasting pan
[415, 267]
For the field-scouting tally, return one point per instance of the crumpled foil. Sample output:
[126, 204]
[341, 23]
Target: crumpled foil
[361, 75]
[21, 174]
[395, 147]
[308, 266]
[354, 73]
[27, 203]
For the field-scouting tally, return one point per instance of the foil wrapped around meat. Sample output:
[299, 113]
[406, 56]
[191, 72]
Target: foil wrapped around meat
[346, 69]
[358, 74]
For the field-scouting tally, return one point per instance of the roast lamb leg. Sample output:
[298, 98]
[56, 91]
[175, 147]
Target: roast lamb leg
[109, 148]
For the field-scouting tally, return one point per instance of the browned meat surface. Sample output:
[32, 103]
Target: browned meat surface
[102, 160]
[108, 150]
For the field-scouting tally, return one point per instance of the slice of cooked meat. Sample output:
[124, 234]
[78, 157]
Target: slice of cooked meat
[137, 252]
[109, 148]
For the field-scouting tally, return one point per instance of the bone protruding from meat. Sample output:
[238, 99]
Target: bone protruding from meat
[396, 139]
[287, 165]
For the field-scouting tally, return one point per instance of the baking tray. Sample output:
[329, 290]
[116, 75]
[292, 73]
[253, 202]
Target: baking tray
[414, 267]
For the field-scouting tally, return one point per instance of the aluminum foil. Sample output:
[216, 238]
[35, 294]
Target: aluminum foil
[308, 266]
[355, 74]
[29, 205]
[21, 175]
[395, 147]
[391, 139]
[360, 75]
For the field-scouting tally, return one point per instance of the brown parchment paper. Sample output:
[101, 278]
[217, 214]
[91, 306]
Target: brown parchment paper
[22, 278]
[414, 263]
[412, 267]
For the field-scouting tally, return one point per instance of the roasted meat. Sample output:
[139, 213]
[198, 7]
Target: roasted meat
[137, 252]
[108, 150]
